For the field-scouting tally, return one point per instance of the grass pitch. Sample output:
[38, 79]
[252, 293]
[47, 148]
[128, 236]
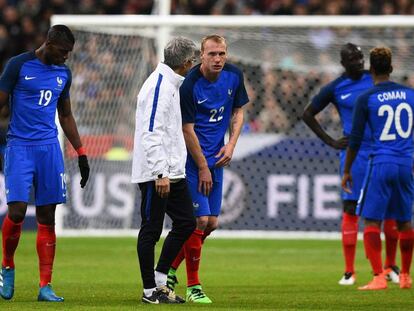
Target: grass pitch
[103, 274]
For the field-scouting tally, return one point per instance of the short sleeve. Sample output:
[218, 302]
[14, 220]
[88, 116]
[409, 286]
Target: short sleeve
[241, 98]
[65, 93]
[188, 108]
[10, 75]
[324, 97]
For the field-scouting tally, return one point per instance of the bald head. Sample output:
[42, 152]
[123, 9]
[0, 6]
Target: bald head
[352, 59]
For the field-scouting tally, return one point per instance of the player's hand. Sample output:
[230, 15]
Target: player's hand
[84, 169]
[347, 182]
[162, 186]
[225, 154]
[340, 143]
[205, 182]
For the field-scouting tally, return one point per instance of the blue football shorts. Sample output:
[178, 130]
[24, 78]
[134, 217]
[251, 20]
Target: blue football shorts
[358, 171]
[387, 193]
[205, 205]
[39, 166]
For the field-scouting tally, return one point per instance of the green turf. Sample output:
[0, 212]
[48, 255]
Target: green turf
[103, 274]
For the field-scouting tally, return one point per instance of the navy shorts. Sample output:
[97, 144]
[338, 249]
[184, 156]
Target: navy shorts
[39, 166]
[358, 171]
[387, 193]
[205, 205]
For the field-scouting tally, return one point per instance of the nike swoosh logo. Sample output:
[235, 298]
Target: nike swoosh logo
[346, 96]
[29, 78]
[202, 101]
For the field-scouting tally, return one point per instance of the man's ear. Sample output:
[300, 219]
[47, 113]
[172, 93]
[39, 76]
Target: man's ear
[391, 69]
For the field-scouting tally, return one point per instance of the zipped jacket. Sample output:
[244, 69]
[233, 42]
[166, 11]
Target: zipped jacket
[159, 146]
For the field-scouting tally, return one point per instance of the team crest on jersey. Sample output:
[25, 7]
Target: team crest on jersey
[59, 81]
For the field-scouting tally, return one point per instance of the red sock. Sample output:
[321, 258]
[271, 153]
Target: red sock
[391, 241]
[192, 250]
[406, 248]
[179, 259]
[46, 245]
[349, 240]
[11, 235]
[372, 244]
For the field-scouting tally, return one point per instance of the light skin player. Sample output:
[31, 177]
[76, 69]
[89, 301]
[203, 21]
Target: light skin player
[212, 97]
[37, 84]
[387, 109]
[342, 92]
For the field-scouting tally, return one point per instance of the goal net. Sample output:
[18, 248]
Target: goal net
[282, 178]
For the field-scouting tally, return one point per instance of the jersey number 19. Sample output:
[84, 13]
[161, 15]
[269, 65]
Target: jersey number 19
[45, 97]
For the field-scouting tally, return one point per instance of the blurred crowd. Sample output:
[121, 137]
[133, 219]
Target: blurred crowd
[281, 76]
[24, 22]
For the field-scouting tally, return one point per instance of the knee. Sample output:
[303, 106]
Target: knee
[202, 223]
[212, 225]
[17, 212]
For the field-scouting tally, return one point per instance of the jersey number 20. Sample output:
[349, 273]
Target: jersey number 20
[395, 116]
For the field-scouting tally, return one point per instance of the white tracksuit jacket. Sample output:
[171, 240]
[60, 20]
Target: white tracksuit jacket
[159, 146]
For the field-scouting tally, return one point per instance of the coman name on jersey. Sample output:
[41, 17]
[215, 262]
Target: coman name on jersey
[391, 95]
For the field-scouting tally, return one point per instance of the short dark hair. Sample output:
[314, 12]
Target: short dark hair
[60, 33]
[380, 59]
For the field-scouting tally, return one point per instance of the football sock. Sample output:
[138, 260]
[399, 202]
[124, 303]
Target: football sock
[391, 241]
[372, 244]
[160, 278]
[192, 250]
[46, 246]
[349, 240]
[406, 248]
[179, 259]
[11, 234]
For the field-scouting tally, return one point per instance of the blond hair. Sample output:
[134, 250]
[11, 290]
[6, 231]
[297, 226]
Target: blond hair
[215, 38]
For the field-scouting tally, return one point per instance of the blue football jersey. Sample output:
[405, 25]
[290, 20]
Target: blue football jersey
[35, 89]
[209, 106]
[343, 93]
[388, 110]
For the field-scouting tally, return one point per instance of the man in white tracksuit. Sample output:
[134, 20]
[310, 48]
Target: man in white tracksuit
[159, 169]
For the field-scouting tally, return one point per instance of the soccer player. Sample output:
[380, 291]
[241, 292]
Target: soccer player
[343, 92]
[37, 84]
[212, 97]
[159, 169]
[387, 109]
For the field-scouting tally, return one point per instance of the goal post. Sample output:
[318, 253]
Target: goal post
[282, 181]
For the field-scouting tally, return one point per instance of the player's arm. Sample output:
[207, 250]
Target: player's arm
[226, 152]
[68, 124]
[205, 182]
[319, 102]
[4, 107]
[359, 120]
[154, 129]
